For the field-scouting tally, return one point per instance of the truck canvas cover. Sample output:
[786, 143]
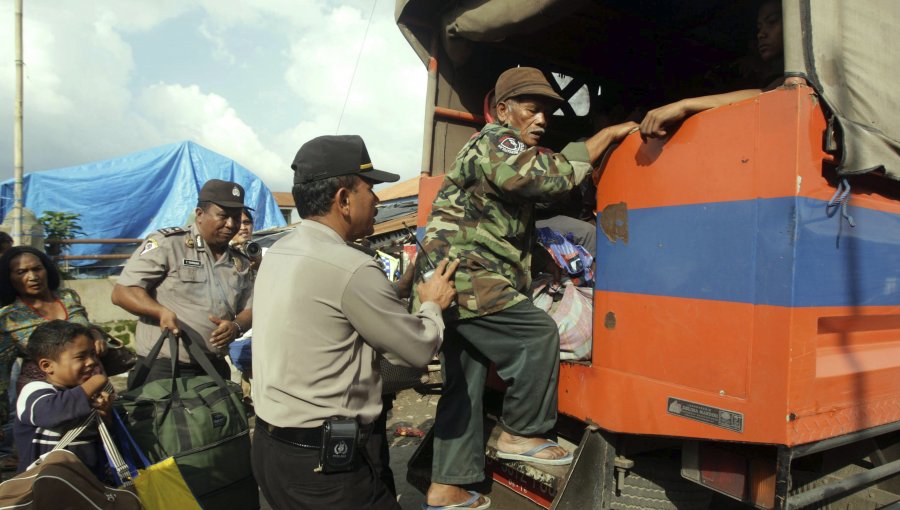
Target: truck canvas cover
[848, 53]
[845, 49]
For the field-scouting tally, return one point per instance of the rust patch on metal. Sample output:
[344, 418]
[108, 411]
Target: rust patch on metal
[614, 222]
[610, 320]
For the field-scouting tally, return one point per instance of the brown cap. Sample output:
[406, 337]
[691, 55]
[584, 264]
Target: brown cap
[333, 156]
[222, 193]
[521, 81]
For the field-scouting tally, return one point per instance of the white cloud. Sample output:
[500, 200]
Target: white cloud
[84, 101]
[386, 101]
[185, 113]
[220, 48]
[128, 16]
[76, 94]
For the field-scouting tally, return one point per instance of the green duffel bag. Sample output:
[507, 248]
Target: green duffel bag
[200, 421]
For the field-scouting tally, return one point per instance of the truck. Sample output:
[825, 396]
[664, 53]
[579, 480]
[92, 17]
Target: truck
[746, 309]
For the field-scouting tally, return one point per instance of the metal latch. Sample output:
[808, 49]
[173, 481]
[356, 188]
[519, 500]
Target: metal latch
[622, 465]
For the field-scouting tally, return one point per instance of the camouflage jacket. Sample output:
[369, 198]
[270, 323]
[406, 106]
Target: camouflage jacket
[484, 215]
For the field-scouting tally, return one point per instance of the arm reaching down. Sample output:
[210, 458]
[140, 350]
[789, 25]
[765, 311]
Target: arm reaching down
[137, 301]
[657, 122]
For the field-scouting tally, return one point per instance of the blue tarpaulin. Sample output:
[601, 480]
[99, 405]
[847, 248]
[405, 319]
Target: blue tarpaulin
[134, 195]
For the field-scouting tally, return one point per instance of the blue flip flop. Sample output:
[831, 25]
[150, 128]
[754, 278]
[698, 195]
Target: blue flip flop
[465, 504]
[529, 455]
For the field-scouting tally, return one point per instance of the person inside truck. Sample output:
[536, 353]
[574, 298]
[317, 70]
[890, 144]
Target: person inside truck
[483, 216]
[770, 44]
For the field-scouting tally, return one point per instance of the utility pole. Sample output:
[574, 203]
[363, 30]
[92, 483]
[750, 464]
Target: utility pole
[18, 153]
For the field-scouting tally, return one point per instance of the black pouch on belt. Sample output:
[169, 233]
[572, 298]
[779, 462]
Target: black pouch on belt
[340, 437]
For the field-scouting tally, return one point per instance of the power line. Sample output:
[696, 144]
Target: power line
[356, 66]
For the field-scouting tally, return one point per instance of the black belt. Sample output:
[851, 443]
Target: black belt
[305, 437]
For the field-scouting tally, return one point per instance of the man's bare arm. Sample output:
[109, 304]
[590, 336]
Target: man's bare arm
[137, 301]
[657, 121]
[597, 144]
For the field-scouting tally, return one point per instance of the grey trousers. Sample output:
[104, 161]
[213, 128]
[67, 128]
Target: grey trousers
[523, 342]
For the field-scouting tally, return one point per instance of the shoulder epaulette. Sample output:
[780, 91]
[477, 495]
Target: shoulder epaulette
[367, 251]
[172, 231]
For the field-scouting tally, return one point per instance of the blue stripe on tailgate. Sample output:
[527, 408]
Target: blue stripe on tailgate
[782, 252]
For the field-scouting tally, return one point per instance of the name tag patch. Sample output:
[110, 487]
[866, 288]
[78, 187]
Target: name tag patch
[191, 263]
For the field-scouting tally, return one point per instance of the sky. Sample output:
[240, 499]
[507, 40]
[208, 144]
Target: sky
[250, 80]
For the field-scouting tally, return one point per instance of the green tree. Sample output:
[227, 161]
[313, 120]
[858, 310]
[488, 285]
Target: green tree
[59, 226]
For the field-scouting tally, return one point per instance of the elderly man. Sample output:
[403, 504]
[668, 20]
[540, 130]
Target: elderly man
[484, 216]
[324, 312]
[190, 281]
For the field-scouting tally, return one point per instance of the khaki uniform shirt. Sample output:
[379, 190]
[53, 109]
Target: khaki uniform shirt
[175, 268]
[322, 313]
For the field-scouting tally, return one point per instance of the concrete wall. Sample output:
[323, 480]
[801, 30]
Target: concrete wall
[95, 296]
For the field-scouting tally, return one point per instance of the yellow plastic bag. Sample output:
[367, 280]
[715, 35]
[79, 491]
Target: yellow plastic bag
[161, 487]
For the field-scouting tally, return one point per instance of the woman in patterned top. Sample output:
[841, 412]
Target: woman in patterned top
[30, 295]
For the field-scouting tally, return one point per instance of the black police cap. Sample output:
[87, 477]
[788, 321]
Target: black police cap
[333, 156]
[222, 193]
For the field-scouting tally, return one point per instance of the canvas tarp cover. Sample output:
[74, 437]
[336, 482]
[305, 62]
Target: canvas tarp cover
[847, 50]
[134, 195]
[491, 21]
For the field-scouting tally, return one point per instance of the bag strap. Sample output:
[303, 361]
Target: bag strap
[128, 445]
[123, 472]
[70, 436]
[201, 359]
[73, 434]
[173, 360]
[142, 367]
[121, 469]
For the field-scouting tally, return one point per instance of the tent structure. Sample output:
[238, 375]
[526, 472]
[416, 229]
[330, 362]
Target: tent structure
[134, 195]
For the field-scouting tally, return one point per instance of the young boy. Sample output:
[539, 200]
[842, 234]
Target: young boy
[46, 410]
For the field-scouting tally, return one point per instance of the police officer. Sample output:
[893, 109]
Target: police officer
[484, 215]
[324, 311]
[189, 281]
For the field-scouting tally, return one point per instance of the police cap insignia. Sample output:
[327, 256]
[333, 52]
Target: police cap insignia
[510, 145]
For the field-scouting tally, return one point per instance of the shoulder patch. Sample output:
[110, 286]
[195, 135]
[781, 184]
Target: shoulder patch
[510, 145]
[150, 245]
[171, 231]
